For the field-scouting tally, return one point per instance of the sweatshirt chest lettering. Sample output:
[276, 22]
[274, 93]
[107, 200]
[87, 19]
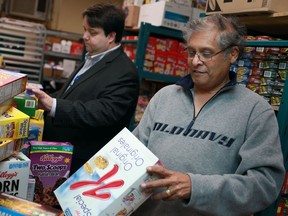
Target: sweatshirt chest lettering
[214, 137]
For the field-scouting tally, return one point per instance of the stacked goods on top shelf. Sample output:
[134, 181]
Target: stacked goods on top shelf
[165, 56]
[21, 45]
[263, 70]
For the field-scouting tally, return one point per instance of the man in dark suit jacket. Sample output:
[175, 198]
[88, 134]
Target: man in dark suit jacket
[100, 97]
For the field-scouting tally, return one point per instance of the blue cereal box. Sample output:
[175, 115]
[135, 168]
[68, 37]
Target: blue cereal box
[109, 182]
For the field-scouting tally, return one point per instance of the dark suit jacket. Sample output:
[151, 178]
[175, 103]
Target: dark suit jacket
[97, 106]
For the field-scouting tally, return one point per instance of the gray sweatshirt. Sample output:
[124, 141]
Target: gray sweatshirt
[231, 150]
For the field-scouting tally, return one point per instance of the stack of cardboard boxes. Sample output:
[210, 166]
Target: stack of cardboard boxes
[20, 123]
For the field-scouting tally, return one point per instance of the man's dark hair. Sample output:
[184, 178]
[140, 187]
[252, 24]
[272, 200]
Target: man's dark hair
[108, 17]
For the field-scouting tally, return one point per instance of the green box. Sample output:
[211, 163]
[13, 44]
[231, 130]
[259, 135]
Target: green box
[25, 103]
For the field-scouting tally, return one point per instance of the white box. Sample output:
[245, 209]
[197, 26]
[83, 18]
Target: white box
[109, 182]
[246, 6]
[166, 14]
[14, 175]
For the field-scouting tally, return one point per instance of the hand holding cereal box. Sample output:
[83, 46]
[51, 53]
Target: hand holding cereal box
[109, 182]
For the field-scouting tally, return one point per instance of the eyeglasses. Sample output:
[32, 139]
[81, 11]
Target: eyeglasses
[204, 56]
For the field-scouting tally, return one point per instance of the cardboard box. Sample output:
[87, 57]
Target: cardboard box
[9, 147]
[11, 84]
[132, 16]
[25, 103]
[166, 14]
[11, 205]
[245, 6]
[50, 165]
[5, 105]
[13, 124]
[14, 175]
[109, 182]
[39, 125]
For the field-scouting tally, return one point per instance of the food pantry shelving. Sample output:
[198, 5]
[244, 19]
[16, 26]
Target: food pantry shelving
[147, 30]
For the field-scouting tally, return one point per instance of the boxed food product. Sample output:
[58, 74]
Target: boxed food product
[50, 165]
[166, 14]
[14, 175]
[11, 84]
[13, 124]
[5, 105]
[104, 184]
[246, 6]
[132, 16]
[8, 147]
[11, 205]
[25, 103]
[37, 124]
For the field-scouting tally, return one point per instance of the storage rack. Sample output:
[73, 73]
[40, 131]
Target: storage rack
[21, 45]
[147, 29]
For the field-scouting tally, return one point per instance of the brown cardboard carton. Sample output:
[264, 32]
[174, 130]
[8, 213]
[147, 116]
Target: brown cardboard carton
[245, 6]
[132, 16]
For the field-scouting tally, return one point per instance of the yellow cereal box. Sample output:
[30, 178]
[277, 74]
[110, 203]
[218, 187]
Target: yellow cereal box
[39, 124]
[13, 124]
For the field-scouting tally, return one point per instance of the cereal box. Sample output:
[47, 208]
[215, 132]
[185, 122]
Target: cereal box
[13, 124]
[8, 147]
[37, 124]
[50, 165]
[14, 175]
[15, 206]
[109, 182]
[25, 103]
[11, 84]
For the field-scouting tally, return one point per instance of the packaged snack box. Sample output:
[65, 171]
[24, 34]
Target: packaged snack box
[109, 182]
[11, 84]
[8, 147]
[50, 166]
[11, 205]
[13, 124]
[25, 103]
[14, 175]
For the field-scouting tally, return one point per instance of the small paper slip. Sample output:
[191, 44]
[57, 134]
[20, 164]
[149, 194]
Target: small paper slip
[109, 182]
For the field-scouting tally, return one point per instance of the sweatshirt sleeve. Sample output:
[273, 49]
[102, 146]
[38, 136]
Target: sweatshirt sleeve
[258, 179]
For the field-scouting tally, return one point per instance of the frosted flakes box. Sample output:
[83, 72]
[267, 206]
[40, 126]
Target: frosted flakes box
[15, 206]
[13, 124]
[109, 182]
[11, 84]
[50, 166]
[14, 175]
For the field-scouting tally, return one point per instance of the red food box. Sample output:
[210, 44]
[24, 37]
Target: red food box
[50, 165]
[76, 49]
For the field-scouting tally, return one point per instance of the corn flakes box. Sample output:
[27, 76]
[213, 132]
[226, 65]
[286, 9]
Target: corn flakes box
[14, 175]
[109, 182]
[11, 84]
[14, 124]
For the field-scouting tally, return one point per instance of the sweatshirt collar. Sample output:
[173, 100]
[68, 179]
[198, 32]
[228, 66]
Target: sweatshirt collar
[187, 82]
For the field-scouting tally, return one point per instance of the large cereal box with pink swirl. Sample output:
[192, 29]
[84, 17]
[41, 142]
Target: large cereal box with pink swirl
[109, 182]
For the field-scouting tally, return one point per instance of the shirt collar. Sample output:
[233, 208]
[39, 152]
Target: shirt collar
[99, 56]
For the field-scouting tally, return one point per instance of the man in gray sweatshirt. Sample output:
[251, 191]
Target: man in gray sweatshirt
[218, 141]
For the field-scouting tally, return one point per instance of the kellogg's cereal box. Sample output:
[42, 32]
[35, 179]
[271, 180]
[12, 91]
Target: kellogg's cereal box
[50, 165]
[109, 182]
[14, 174]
